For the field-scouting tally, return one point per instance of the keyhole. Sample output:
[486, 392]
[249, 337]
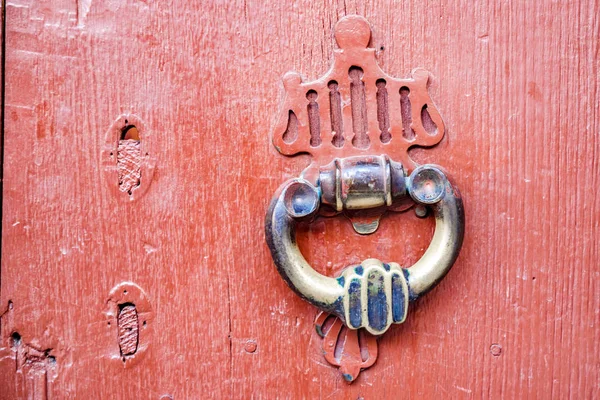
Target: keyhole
[130, 132]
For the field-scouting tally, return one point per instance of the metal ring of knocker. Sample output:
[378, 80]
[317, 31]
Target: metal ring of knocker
[372, 295]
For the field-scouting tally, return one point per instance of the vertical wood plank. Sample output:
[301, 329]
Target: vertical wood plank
[517, 85]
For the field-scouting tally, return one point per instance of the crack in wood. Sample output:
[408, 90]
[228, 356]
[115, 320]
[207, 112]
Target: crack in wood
[35, 368]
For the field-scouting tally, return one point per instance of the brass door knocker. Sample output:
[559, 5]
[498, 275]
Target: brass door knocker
[361, 168]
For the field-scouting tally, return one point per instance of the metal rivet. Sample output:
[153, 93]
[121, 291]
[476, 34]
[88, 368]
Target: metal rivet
[496, 349]
[250, 346]
[421, 211]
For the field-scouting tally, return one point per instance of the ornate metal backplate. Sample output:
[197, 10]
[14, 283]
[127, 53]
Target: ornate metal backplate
[356, 108]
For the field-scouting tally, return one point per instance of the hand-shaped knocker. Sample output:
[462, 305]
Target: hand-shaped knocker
[358, 123]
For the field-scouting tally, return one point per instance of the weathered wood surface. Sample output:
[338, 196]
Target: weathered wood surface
[517, 85]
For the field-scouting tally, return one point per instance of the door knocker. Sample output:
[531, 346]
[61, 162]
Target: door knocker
[358, 123]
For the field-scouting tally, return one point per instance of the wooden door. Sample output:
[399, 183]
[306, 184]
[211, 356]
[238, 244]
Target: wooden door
[174, 295]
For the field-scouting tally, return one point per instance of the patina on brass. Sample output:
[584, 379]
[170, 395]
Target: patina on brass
[372, 295]
[357, 123]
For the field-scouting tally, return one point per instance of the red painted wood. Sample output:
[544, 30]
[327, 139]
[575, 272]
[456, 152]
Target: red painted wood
[517, 86]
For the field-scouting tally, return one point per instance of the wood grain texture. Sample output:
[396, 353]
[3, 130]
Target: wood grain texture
[517, 85]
